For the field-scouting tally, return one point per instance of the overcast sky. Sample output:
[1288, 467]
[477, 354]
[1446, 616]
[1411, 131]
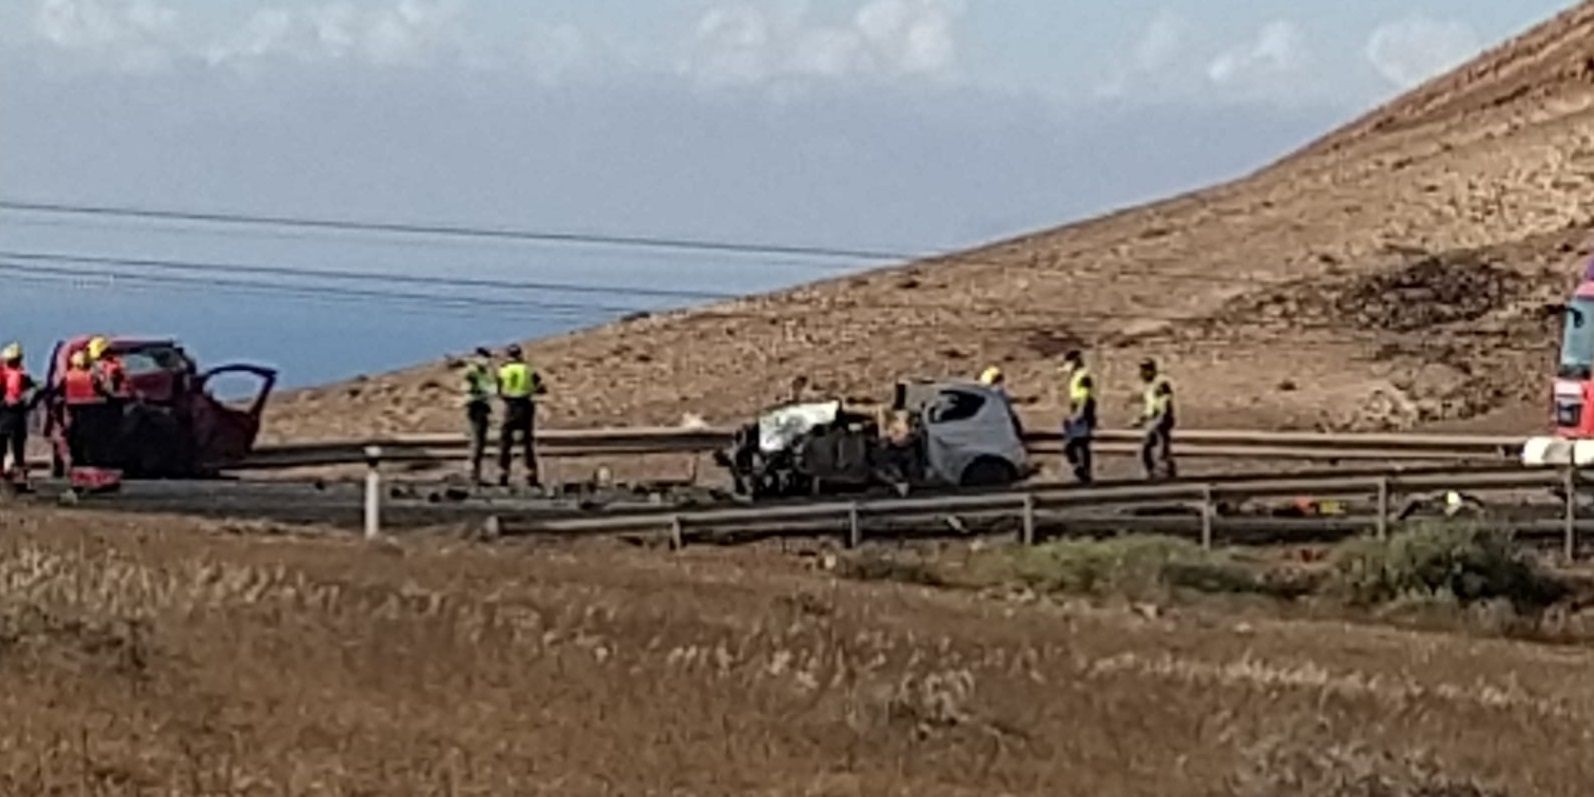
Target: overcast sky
[901, 124]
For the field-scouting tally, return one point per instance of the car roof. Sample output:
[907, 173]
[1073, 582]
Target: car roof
[121, 342]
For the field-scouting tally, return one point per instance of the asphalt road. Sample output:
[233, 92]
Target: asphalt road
[405, 505]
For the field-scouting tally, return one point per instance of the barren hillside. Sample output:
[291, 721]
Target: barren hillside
[1389, 275]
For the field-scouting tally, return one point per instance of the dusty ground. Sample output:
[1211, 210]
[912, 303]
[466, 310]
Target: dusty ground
[151, 657]
[1303, 296]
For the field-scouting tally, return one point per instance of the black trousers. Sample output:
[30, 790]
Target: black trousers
[1077, 451]
[479, 415]
[94, 434]
[78, 418]
[14, 436]
[1156, 451]
[520, 421]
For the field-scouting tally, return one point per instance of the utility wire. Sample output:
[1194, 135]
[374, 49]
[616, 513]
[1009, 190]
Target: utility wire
[857, 317]
[349, 275]
[470, 307]
[301, 290]
[167, 265]
[412, 242]
[80, 283]
[449, 230]
[854, 314]
[877, 256]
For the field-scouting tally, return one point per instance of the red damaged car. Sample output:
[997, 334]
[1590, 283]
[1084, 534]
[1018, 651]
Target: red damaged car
[172, 427]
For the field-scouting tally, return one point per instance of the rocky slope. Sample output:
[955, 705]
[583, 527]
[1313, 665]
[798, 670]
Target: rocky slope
[1390, 275]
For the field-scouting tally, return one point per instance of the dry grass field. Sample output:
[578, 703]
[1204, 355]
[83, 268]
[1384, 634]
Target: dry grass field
[158, 656]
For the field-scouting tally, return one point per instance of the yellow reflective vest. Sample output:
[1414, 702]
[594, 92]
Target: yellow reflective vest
[478, 383]
[1081, 388]
[1159, 397]
[516, 381]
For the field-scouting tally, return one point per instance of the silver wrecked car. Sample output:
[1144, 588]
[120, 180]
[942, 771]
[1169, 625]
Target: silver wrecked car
[941, 434]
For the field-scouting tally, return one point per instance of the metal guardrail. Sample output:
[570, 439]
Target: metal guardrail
[1195, 443]
[1028, 505]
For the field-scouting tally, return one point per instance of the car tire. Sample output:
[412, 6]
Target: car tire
[989, 472]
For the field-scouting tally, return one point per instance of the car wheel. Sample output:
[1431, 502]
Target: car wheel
[989, 472]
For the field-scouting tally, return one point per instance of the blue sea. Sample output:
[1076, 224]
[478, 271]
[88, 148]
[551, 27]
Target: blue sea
[315, 337]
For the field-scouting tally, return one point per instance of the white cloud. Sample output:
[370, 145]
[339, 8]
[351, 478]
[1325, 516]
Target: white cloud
[1410, 51]
[1279, 48]
[743, 43]
[1150, 62]
[401, 32]
[1161, 43]
[910, 36]
[136, 35]
[554, 53]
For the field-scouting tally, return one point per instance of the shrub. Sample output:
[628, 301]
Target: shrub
[1466, 564]
[1134, 566]
[880, 566]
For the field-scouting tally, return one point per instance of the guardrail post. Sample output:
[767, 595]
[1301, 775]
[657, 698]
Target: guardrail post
[373, 492]
[1207, 510]
[854, 527]
[1383, 507]
[1027, 534]
[677, 539]
[1570, 484]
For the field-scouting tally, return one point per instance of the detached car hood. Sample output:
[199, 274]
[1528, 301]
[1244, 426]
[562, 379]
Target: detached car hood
[779, 428]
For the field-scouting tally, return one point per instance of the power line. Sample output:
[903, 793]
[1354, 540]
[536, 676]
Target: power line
[855, 312]
[300, 291]
[84, 284]
[450, 230]
[512, 307]
[348, 275]
[136, 225]
[877, 256]
[467, 306]
[587, 288]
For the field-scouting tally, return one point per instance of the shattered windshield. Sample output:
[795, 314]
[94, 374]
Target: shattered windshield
[1577, 345]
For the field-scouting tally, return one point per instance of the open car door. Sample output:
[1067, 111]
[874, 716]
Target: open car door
[225, 433]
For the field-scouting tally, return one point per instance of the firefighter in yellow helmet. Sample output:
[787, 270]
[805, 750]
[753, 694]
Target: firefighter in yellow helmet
[16, 394]
[107, 429]
[1157, 419]
[992, 377]
[1079, 426]
[109, 374]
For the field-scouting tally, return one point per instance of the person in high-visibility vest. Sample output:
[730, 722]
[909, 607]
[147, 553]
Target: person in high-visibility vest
[1157, 418]
[518, 387]
[1079, 427]
[479, 386]
[16, 391]
[83, 399]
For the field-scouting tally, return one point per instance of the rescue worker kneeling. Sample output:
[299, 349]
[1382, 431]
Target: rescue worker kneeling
[1157, 418]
